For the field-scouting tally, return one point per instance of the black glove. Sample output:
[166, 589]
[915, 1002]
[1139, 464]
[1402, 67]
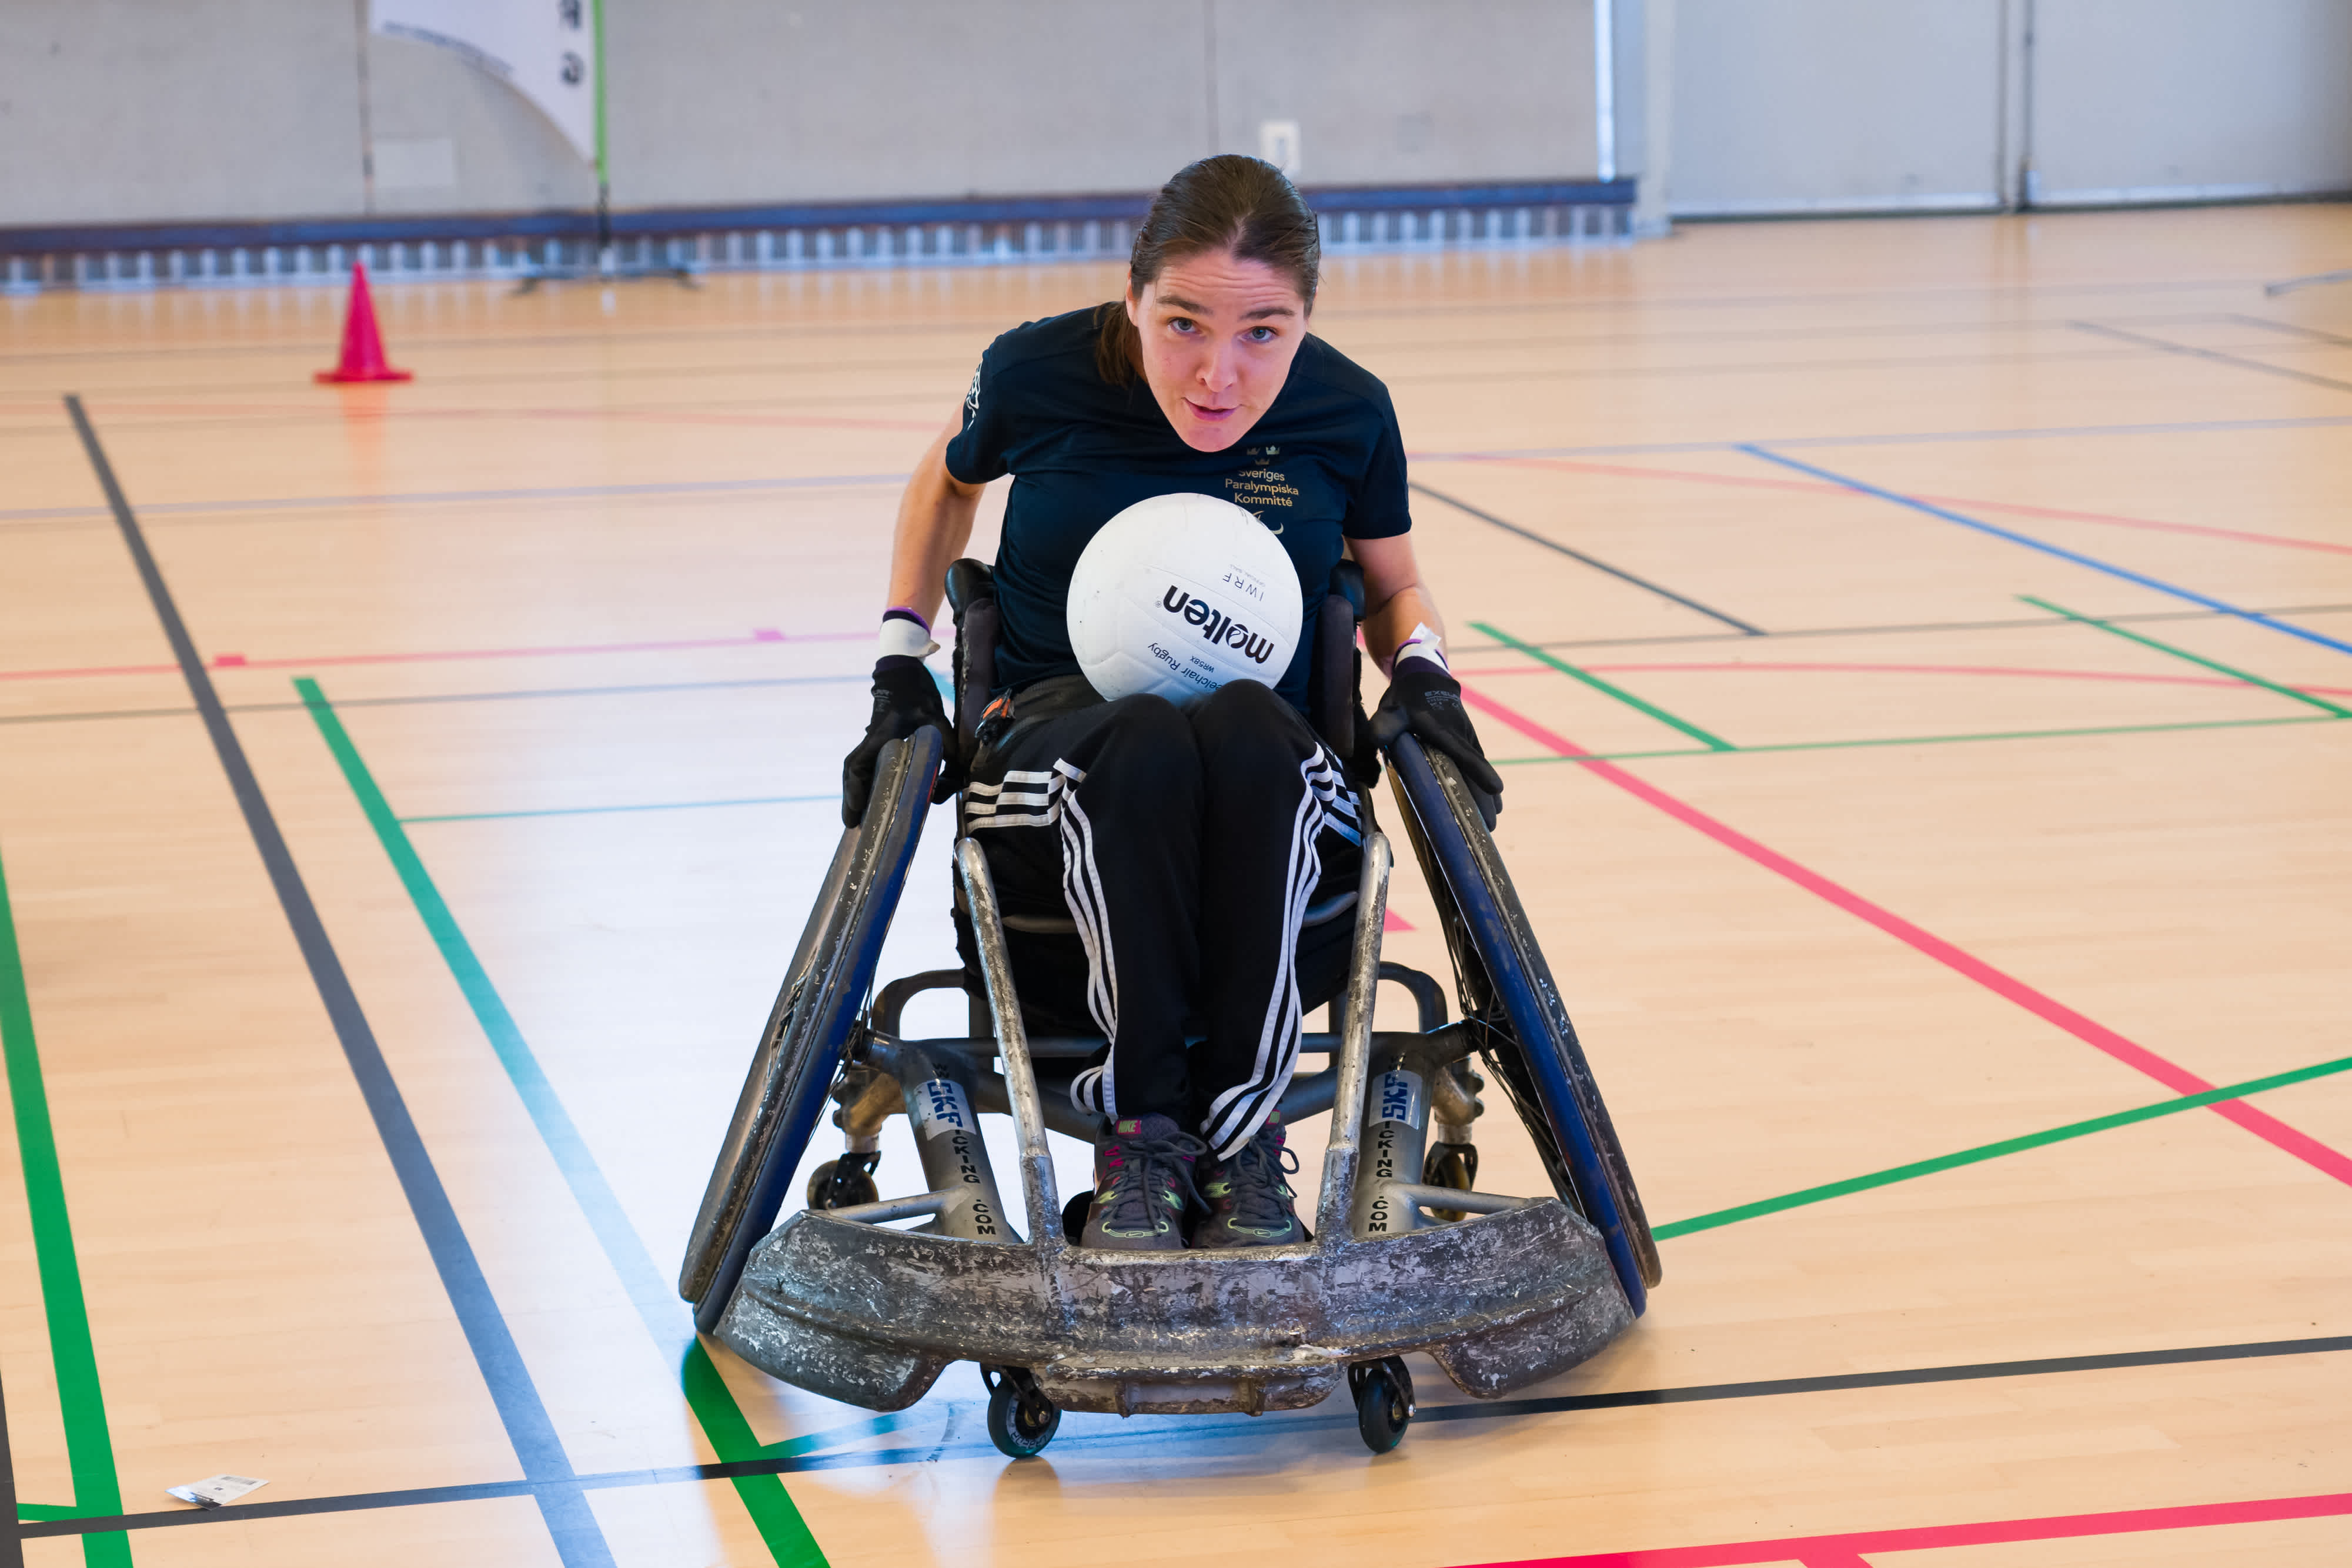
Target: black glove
[1426, 701]
[904, 700]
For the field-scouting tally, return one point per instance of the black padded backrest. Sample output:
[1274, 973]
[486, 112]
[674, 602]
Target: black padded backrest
[1336, 668]
[971, 594]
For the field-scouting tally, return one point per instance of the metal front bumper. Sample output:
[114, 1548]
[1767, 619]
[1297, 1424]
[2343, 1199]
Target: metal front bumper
[870, 1315]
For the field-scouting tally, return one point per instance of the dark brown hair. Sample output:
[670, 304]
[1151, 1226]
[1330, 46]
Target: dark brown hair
[1227, 202]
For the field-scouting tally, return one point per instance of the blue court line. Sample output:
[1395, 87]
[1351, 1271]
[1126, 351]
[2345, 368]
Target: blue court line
[578, 1541]
[2030, 542]
[448, 497]
[600, 810]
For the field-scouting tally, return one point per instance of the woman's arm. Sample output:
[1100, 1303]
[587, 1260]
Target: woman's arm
[1395, 601]
[935, 518]
[934, 525]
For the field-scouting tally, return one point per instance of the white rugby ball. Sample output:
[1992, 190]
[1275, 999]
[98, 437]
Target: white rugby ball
[1179, 595]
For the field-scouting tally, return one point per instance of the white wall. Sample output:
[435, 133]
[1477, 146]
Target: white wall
[233, 108]
[133, 110]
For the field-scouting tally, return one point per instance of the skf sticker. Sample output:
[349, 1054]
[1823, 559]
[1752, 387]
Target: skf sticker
[1397, 1096]
[944, 1108]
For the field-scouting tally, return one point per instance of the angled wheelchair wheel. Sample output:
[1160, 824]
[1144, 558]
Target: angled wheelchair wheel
[1508, 985]
[809, 1027]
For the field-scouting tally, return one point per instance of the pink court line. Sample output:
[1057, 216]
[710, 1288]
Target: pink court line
[89, 669]
[2173, 1076]
[2018, 671]
[378, 412]
[2017, 508]
[240, 661]
[1847, 1550]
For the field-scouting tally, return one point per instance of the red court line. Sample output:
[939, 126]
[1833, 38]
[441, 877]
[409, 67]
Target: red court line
[2019, 508]
[2020, 671]
[2173, 1076]
[1844, 1551]
[435, 655]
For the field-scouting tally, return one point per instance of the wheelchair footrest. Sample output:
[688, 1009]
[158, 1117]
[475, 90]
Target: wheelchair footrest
[870, 1315]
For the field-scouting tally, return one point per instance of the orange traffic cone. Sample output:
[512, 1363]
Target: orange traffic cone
[362, 344]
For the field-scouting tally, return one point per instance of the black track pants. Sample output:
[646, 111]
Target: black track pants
[1187, 846]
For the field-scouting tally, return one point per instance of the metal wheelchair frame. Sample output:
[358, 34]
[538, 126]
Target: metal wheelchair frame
[1500, 1291]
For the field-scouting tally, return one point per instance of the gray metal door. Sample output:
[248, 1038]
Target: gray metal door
[2154, 100]
[1792, 105]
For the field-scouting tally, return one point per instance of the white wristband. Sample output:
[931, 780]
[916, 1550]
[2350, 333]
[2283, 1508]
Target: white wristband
[1423, 643]
[905, 637]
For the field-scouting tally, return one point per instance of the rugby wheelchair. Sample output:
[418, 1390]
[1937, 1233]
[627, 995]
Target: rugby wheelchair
[1403, 1254]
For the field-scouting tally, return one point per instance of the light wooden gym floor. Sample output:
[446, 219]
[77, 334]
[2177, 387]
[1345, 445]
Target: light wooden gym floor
[1963, 611]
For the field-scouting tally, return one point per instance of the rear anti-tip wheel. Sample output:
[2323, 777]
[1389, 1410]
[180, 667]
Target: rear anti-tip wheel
[1383, 1391]
[1021, 1419]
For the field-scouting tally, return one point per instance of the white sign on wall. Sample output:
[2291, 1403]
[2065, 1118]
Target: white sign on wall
[544, 50]
[1278, 144]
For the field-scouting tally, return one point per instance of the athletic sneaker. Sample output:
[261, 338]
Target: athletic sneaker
[1143, 1183]
[1249, 1203]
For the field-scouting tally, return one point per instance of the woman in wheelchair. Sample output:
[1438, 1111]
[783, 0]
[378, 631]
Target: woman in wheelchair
[1161, 870]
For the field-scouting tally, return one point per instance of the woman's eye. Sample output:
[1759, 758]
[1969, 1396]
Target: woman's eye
[1262, 334]
[1181, 324]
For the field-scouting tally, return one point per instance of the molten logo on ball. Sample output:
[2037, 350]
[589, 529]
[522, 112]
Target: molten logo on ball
[1179, 595]
[1215, 625]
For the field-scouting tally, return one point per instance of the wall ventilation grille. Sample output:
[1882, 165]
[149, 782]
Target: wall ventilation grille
[126, 262]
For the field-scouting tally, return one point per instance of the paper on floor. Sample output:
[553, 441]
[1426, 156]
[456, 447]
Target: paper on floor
[214, 1490]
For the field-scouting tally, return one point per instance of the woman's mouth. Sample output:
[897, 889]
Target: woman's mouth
[1213, 415]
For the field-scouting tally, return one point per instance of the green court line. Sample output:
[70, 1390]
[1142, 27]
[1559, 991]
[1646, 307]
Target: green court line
[1712, 742]
[1922, 739]
[2214, 665]
[1994, 1151]
[764, 1498]
[600, 810]
[34, 1512]
[89, 1443]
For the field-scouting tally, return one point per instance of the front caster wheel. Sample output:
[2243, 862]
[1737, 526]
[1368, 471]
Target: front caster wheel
[845, 1182]
[1383, 1391]
[1021, 1419]
[1454, 1166]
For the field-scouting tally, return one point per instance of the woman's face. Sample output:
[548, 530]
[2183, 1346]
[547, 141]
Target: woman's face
[1218, 336]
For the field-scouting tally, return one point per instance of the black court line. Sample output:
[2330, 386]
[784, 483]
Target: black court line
[11, 1545]
[2041, 1368]
[2294, 330]
[1159, 1434]
[578, 1540]
[1619, 572]
[2215, 355]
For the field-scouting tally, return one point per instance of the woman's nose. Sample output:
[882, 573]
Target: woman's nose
[1217, 367]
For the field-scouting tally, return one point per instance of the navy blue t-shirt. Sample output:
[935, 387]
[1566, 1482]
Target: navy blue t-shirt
[1325, 463]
